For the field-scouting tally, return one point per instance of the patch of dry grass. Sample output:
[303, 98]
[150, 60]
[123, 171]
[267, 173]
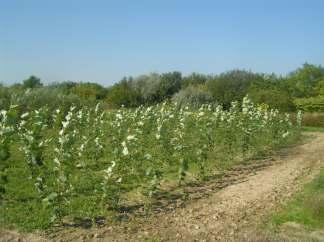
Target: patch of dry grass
[313, 119]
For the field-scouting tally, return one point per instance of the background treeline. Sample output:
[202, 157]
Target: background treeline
[301, 89]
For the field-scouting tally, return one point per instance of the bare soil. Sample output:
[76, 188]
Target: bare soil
[229, 209]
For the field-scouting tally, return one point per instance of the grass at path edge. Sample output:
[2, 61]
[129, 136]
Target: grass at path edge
[312, 129]
[306, 207]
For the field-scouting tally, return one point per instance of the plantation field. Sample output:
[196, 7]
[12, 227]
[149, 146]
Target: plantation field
[90, 164]
[190, 121]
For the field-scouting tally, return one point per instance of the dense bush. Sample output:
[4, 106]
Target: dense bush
[319, 88]
[32, 82]
[30, 99]
[194, 79]
[89, 91]
[311, 104]
[4, 97]
[193, 96]
[169, 85]
[231, 86]
[303, 81]
[147, 87]
[279, 99]
[123, 94]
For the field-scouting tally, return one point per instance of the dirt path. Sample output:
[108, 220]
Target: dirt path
[224, 214]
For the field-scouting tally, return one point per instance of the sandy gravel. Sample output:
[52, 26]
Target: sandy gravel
[223, 215]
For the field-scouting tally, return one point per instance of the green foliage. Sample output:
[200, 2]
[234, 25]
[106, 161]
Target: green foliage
[275, 91]
[65, 88]
[90, 91]
[319, 88]
[311, 104]
[194, 79]
[4, 97]
[32, 82]
[170, 84]
[279, 99]
[231, 86]
[147, 87]
[123, 94]
[303, 80]
[194, 96]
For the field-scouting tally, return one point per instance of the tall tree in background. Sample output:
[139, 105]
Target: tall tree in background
[32, 82]
[170, 84]
[303, 81]
[147, 87]
[194, 79]
[88, 90]
[231, 86]
[319, 88]
[123, 94]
